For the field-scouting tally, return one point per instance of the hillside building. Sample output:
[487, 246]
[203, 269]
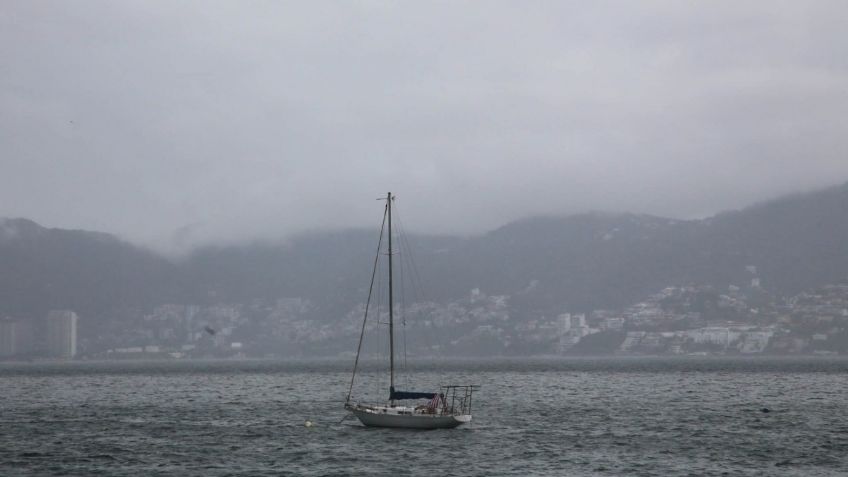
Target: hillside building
[62, 334]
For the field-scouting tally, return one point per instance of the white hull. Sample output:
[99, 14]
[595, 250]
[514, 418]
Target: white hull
[405, 418]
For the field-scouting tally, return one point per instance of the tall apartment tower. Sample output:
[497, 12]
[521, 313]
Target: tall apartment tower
[564, 323]
[8, 343]
[62, 334]
[15, 337]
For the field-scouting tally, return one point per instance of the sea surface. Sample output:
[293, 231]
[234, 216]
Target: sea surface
[611, 416]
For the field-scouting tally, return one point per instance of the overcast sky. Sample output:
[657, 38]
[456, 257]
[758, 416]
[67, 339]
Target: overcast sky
[173, 124]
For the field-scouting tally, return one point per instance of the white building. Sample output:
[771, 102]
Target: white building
[15, 337]
[755, 341]
[62, 334]
[613, 323]
[581, 320]
[7, 338]
[564, 323]
[717, 335]
[572, 329]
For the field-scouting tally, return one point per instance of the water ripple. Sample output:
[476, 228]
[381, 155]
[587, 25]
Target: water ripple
[648, 417]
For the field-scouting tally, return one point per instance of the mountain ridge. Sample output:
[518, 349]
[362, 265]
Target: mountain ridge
[545, 264]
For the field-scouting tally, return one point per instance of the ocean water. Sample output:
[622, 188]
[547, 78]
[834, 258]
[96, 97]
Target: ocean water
[614, 416]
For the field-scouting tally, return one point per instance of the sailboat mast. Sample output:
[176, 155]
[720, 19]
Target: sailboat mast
[391, 305]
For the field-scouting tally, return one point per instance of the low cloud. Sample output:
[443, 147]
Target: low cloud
[174, 125]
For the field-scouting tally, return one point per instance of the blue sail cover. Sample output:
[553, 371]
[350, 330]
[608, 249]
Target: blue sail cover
[398, 395]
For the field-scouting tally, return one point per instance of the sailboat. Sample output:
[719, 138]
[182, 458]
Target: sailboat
[447, 408]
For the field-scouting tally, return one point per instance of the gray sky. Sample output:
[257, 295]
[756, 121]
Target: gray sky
[179, 123]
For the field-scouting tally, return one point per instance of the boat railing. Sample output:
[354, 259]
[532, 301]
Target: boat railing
[456, 398]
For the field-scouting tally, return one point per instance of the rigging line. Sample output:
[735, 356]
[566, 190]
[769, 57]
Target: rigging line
[402, 300]
[367, 304]
[416, 277]
[403, 251]
[415, 273]
[408, 259]
[401, 304]
[383, 339]
[382, 343]
[403, 318]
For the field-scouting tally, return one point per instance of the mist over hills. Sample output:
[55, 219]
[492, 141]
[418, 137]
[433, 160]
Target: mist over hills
[544, 264]
[43, 269]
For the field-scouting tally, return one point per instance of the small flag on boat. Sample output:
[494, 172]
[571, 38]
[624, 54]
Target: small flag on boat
[434, 403]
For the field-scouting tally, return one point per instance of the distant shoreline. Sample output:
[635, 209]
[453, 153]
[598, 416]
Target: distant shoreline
[476, 368]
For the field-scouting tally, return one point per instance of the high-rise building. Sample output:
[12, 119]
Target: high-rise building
[7, 338]
[564, 323]
[62, 334]
[15, 337]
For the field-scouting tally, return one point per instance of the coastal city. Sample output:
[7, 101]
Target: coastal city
[677, 320]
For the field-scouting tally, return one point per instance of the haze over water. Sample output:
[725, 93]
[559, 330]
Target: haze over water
[636, 416]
